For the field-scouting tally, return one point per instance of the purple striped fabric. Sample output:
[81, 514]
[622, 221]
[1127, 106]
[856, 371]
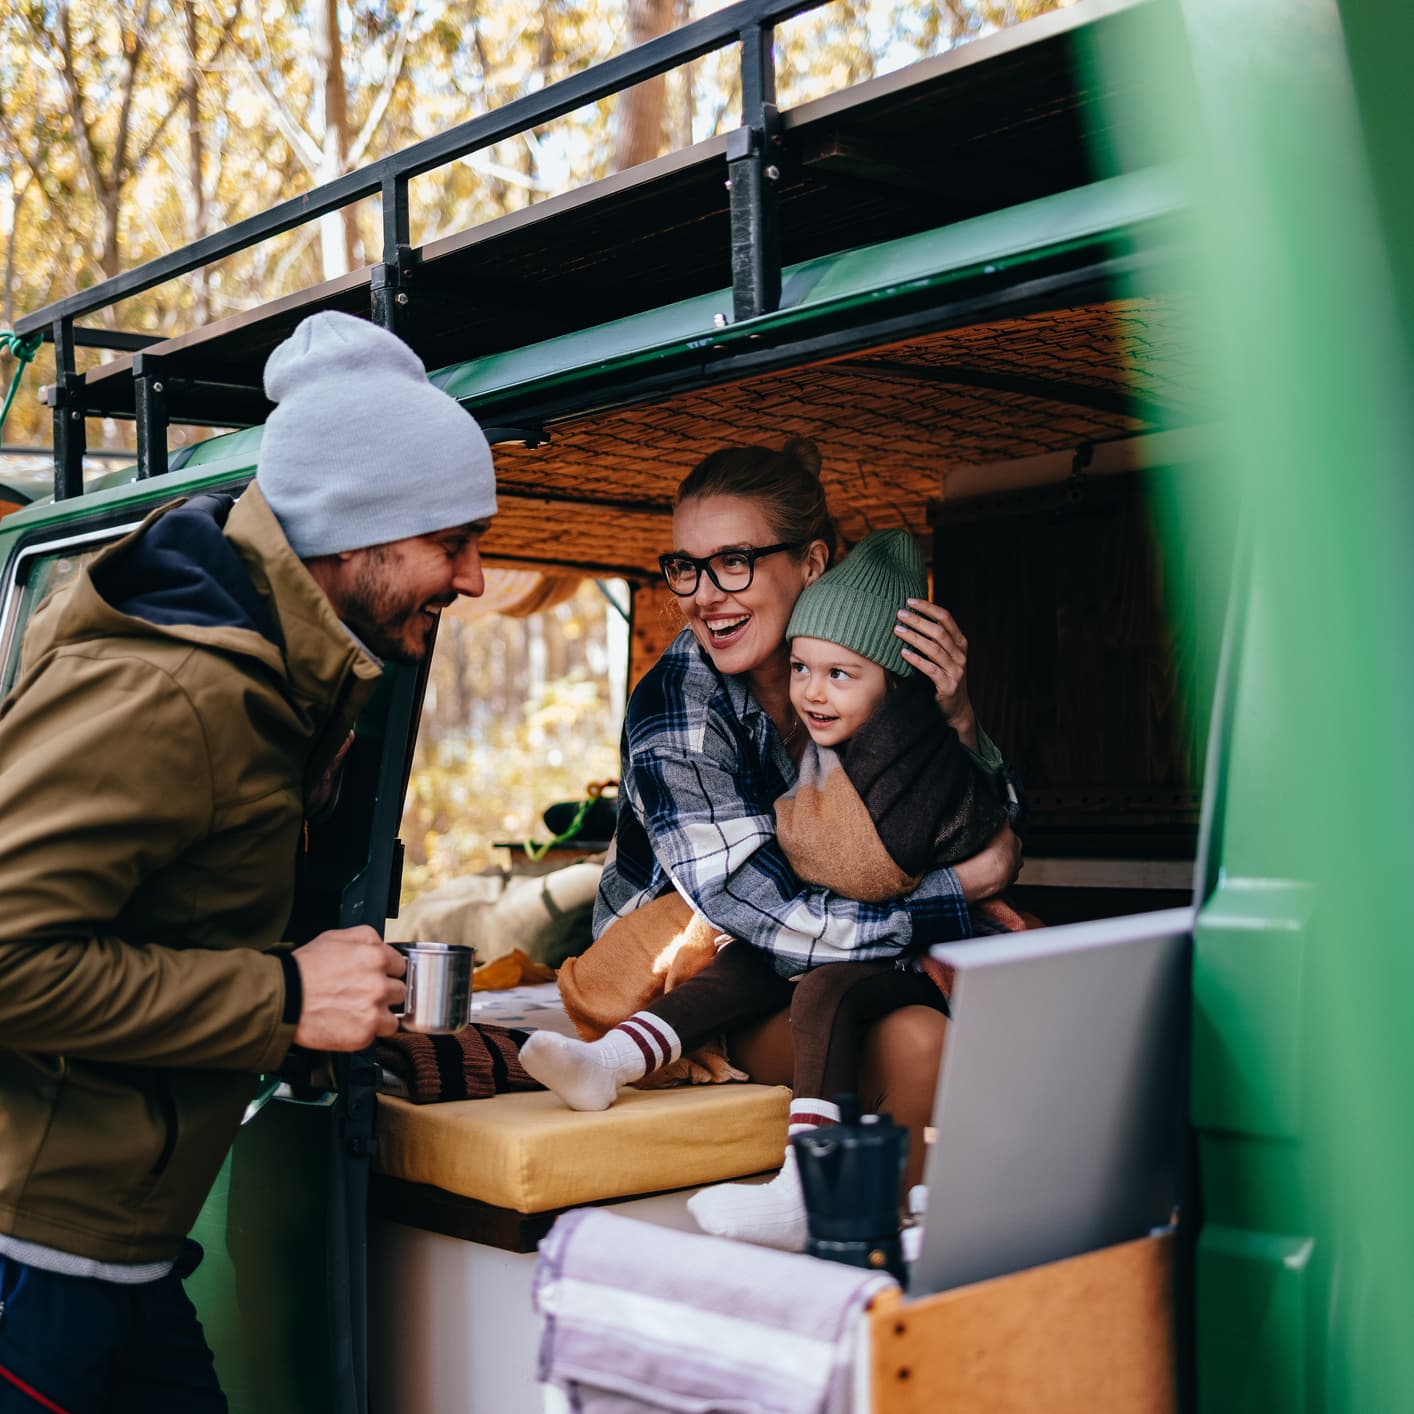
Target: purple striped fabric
[643, 1318]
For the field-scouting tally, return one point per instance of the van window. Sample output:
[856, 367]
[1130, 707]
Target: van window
[37, 575]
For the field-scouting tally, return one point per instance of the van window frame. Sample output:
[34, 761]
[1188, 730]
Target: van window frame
[119, 511]
[11, 598]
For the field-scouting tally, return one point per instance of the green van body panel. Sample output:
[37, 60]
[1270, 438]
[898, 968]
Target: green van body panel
[1302, 1051]
[260, 1288]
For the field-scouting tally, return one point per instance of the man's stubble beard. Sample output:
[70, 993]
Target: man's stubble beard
[371, 602]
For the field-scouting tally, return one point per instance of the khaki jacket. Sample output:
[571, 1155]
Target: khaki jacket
[152, 787]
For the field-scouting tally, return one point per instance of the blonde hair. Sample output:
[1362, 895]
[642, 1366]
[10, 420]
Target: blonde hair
[785, 484]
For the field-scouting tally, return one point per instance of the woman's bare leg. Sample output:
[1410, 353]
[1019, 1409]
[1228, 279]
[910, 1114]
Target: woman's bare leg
[903, 1055]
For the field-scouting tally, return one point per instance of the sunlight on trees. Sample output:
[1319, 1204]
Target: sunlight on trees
[520, 713]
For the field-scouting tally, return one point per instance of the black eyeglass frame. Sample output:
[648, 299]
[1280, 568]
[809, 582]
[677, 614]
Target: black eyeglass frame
[752, 553]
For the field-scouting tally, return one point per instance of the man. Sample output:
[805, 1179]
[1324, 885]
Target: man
[179, 705]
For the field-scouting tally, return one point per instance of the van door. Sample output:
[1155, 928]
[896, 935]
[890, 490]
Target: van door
[283, 1290]
[1260, 1268]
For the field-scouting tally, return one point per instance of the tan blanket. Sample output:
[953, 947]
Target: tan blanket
[631, 964]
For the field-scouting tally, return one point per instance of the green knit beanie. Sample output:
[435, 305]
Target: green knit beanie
[856, 604]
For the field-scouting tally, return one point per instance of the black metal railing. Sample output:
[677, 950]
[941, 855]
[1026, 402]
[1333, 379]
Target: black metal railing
[752, 173]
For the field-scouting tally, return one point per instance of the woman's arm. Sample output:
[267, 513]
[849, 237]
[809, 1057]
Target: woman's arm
[991, 870]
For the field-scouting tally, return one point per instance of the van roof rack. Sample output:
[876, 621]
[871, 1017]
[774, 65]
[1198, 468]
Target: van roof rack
[1005, 119]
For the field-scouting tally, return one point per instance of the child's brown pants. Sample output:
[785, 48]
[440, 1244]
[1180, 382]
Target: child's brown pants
[831, 1009]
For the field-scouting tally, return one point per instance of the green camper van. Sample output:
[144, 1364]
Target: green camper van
[1115, 311]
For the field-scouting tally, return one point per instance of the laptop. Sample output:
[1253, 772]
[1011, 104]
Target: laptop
[1061, 1110]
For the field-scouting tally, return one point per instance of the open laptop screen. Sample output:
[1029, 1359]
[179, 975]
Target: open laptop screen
[1060, 1112]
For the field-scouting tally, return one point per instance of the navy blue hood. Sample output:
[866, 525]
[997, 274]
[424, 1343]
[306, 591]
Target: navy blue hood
[183, 570]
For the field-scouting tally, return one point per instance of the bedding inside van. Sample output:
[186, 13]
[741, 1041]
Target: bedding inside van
[529, 1153]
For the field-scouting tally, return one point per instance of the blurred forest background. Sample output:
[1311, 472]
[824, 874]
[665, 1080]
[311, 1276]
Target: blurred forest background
[129, 128]
[522, 710]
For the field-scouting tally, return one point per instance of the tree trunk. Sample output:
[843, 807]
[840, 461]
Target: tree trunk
[687, 107]
[641, 110]
[18, 193]
[338, 231]
[196, 161]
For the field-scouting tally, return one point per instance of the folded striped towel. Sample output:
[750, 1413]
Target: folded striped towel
[641, 1318]
[471, 1064]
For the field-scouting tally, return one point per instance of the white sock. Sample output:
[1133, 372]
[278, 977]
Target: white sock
[911, 1236]
[769, 1214]
[586, 1075]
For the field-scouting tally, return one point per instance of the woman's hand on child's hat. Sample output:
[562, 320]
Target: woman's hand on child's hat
[935, 646]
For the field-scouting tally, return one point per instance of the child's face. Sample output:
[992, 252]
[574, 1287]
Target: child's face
[833, 691]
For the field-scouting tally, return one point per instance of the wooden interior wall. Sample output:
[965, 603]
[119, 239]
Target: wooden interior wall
[1095, 693]
[657, 620]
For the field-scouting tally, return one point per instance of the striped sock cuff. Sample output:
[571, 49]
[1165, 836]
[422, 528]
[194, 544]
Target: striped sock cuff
[653, 1036]
[811, 1114]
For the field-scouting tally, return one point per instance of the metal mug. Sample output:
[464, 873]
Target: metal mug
[438, 987]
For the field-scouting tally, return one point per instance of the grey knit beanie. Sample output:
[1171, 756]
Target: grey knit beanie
[856, 604]
[361, 449]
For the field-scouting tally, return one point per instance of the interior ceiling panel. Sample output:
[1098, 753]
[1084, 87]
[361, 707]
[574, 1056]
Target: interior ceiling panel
[890, 424]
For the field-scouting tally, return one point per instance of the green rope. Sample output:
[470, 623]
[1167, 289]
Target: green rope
[539, 851]
[24, 350]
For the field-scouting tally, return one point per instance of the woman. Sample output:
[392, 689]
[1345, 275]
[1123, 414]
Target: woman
[711, 740]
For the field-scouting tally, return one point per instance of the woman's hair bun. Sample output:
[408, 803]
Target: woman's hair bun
[804, 453]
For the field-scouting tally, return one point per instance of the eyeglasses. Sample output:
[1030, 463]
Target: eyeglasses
[730, 570]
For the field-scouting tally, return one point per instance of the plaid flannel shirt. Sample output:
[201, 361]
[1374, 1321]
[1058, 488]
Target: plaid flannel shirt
[702, 766]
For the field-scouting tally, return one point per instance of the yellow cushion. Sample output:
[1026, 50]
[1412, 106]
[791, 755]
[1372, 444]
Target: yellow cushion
[526, 1151]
